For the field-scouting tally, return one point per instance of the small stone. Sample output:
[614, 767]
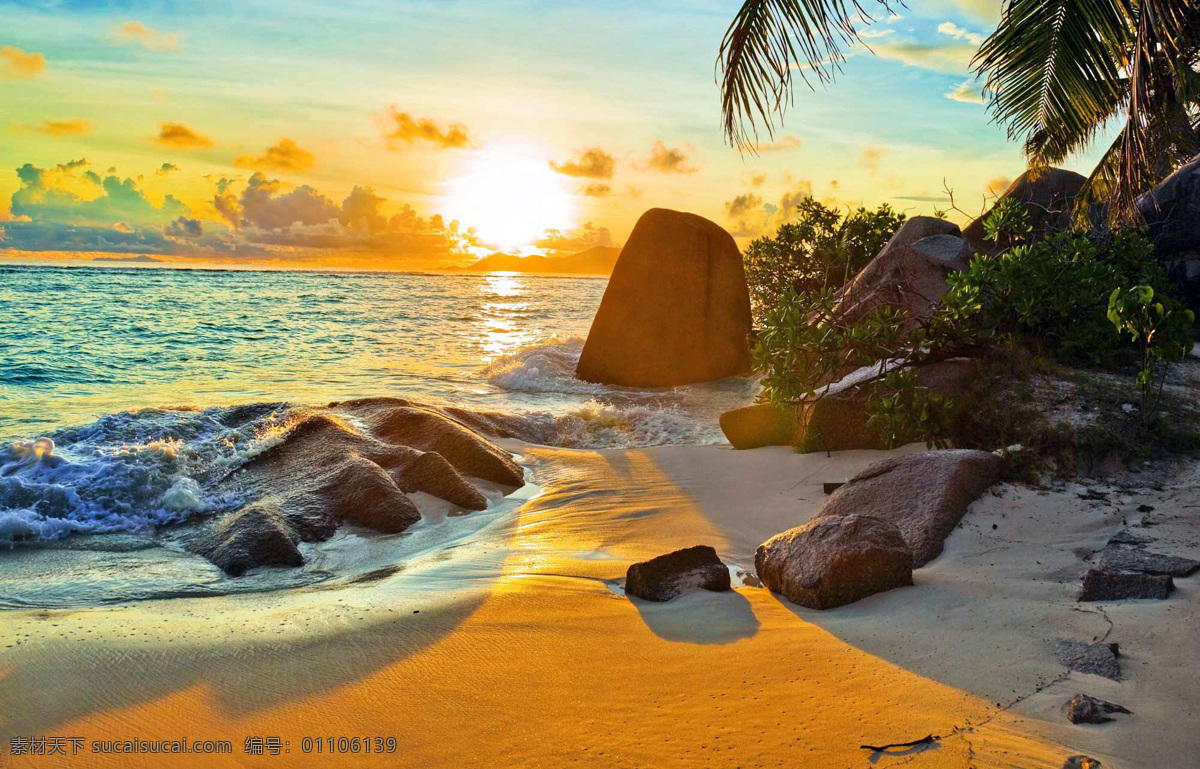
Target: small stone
[673, 574]
[1082, 762]
[1095, 658]
[1106, 585]
[1082, 709]
[1127, 537]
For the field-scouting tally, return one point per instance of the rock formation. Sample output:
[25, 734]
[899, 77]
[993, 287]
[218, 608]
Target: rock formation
[676, 309]
[673, 574]
[1049, 200]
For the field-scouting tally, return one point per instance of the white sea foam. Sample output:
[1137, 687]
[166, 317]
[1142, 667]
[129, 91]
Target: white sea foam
[545, 367]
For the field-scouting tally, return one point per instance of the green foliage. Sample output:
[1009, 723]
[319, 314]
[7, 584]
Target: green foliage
[910, 412]
[1007, 221]
[819, 249]
[1160, 330]
[1054, 292]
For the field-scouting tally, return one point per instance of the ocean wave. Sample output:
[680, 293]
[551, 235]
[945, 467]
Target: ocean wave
[596, 425]
[544, 367]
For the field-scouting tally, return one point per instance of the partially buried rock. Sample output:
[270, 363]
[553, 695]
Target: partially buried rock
[673, 574]
[762, 424]
[1105, 585]
[1083, 709]
[1082, 762]
[923, 495]
[1119, 558]
[834, 561]
[256, 535]
[676, 309]
[1095, 658]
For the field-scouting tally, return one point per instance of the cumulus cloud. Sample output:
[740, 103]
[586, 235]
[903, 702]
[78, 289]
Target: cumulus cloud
[597, 190]
[185, 228]
[165, 168]
[363, 209]
[178, 136]
[669, 160]
[286, 155]
[72, 127]
[17, 64]
[968, 92]
[951, 59]
[264, 204]
[45, 195]
[871, 158]
[749, 216]
[743, 204]
[137, 33]
[402, 127]
[587, 236]
[592, 163]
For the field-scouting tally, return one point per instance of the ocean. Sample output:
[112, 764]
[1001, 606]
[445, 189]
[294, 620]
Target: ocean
[125, 391]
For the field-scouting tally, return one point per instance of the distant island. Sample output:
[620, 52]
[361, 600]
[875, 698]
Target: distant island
[143, 259]
[598, 260]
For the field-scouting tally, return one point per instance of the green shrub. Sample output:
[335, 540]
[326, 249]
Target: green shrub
[820, 249]
[1053, 294]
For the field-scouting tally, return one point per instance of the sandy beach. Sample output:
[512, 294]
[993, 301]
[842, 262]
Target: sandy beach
[536, 659]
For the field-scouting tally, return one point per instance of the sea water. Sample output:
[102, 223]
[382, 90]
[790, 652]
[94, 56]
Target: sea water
[125, 392]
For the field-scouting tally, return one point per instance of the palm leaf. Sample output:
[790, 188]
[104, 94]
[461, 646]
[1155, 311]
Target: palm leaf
[765, 44]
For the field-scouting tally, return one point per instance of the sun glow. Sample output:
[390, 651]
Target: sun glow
[510, 196]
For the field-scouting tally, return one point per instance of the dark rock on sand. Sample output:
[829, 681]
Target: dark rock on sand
[1082, 709]
[909, 273]
[1119, 558]
[673, 574]
[1105, 585]
[428, 471]
[256, 535]
[833, 561]
[1127, 537]
[676, 309]
[1049, 201]
[1095, 658]
[1082, 762]
[923, 495]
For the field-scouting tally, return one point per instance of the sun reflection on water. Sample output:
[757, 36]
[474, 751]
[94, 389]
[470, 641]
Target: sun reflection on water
[503, 324]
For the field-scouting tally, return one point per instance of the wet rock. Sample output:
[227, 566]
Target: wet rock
[1095, 658]
[1082, 762]
[676, 310]
[762, 424]
[1104, 585]
[1119, 558]
[673, 574]
[425, 429]
[362, 493]
[923, 495]
[1082, 709]
[834, 561]
[256, 535]
[428, 471]
[1048, 198]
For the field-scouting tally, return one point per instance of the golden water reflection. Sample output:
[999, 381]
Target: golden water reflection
[503, 323]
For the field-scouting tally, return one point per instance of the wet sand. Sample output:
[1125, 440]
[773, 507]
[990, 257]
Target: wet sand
[535, 659]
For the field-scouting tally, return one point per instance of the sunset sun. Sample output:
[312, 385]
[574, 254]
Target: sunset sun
[510, 196]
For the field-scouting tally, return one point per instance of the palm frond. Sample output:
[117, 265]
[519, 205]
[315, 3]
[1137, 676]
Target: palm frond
[1053, 70]
[766, 43]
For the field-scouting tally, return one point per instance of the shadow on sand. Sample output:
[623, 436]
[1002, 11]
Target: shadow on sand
[701, 617]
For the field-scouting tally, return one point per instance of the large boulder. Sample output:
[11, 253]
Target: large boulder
[673, 574]
[1049, 199]
[830, 562]
[923, 495]
[762, 424]
[909, 274]
[676, 309]
[1172, 211]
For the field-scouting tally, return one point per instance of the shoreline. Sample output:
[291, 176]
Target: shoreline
[539, 662]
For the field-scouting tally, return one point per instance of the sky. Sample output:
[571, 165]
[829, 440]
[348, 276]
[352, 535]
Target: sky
[409, 135]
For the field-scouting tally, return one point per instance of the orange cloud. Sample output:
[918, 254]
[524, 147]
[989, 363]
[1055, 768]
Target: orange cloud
[671, 160]
[782, 144]
[179, 136]
[998, 186]
[402, 127]
[871, 157]
[137, 33]
[73, 127]
[284, 156]
[16, 64]
[594, 163]
[597, 190]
